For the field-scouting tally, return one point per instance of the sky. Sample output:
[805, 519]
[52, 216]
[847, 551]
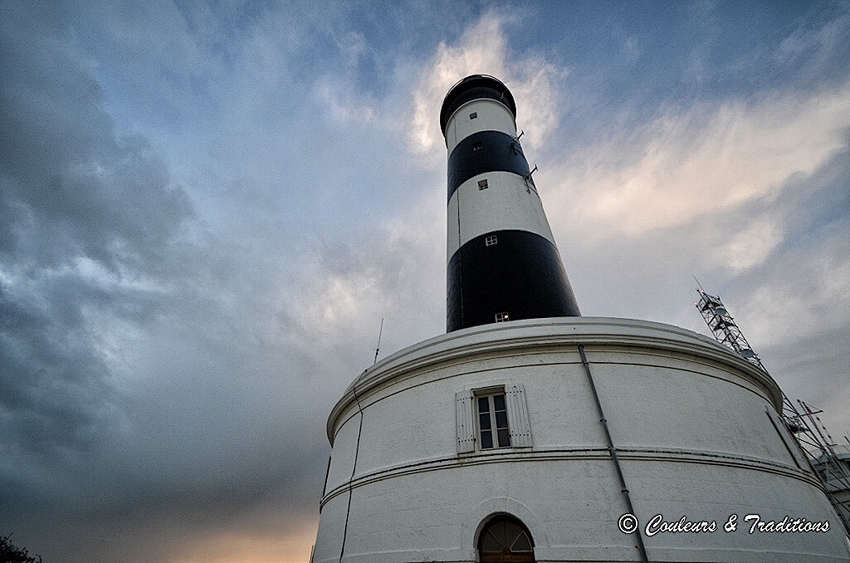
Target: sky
[207, 209]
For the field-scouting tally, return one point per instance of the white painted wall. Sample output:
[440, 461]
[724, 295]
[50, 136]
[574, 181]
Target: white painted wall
[690, 421]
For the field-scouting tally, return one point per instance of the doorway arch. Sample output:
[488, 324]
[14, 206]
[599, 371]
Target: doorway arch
[504, 539]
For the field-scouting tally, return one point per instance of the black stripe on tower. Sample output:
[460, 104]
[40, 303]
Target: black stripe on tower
[485, 151]
[507, 275]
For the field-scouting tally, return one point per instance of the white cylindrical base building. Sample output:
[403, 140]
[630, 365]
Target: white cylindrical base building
[487, 444]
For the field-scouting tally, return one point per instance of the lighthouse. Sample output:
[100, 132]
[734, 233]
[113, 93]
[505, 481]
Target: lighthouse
[528, 433]
[503, 263]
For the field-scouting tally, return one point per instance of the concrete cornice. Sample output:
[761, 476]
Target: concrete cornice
[501, 339]
[681, 456]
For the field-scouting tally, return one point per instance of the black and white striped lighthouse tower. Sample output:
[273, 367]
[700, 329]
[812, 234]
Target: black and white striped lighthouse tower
[502, 260]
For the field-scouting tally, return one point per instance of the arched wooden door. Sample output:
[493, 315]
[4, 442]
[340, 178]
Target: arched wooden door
[505, 540]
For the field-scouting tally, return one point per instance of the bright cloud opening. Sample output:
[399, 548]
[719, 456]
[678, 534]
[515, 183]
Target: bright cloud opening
[483, 49]
[693, 163]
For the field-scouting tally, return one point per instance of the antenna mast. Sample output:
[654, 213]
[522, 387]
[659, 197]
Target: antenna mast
[723, 327]
[378, 346]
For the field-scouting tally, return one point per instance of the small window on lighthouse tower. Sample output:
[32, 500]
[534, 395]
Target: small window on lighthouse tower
[482, 184]
[491, 240]
[502, 317]
[476, 146]
[473, 115]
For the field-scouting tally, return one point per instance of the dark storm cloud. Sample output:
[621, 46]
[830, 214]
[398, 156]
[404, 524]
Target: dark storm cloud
[130, 394]
[84, 216]
[52, 387]
[140, 373]
[70, 187]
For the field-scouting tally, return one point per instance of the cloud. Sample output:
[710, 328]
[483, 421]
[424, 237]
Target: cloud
[700, 161]
[345, 104]
[806, 290]
[140, 384]
[749, 246]
[817, 50]
[391, 270]
[483, 49]
[88, 222]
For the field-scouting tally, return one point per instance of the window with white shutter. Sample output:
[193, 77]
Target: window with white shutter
[491, 418]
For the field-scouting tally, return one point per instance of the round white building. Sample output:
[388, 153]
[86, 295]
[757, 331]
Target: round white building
[695, 430]
[556, 437]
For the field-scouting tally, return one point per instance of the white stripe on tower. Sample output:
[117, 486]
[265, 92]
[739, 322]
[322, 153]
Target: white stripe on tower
[503, 263]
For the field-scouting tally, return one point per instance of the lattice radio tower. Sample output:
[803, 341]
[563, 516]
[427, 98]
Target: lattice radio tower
[804, 425]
